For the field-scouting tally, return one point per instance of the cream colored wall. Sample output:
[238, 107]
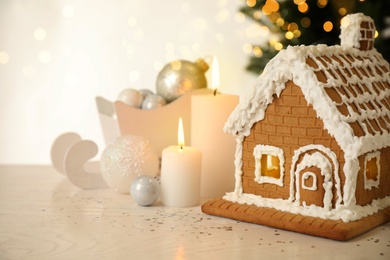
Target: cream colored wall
[57, 56]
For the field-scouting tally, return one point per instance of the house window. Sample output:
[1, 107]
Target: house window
[270, 166]
[371, 170]
[269, 162]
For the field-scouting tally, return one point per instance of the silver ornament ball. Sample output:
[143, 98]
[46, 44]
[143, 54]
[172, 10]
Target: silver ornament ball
[153, 101]
[180, 77]
[131, 97]
[145, 190]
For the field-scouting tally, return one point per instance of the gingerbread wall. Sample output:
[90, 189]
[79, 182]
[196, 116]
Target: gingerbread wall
[365, 196]
[289, 124]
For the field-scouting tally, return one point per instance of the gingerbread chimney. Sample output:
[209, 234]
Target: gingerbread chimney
[358, 31]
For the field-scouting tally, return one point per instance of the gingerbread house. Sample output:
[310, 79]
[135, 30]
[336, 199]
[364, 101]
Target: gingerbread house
[313, 140]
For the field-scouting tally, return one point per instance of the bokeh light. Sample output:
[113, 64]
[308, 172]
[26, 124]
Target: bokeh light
[247, 48]
[134, 76]
[220, 37]
[28, 71]
[158, 65]
[270, 6]
[298, 2]
[44, 56]
[257, 51]
[280, 22]
[169, 47]
[292, 27]
[305, 22]
[322, 3]
[328, 26]
[278, 46]
[251, 3]
[186, 7]
[200, 24]
[40, 34]
[239, 17]
[342, 11]
[68, 11]
[4, 57]
[257, 15]
[289, 35]
[273, 40]
[138, 34]
[303, 8]
[132, 21]
[222, 16]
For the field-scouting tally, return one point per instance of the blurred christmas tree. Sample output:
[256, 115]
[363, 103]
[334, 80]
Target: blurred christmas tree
[296, 22]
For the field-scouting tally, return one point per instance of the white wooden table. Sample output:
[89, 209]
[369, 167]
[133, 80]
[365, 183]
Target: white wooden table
[43, 216]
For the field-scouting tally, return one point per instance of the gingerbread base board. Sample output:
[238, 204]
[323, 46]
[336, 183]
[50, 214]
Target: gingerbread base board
[333, 229]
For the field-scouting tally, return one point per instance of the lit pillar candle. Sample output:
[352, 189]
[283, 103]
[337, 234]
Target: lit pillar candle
[180, 174]
[209, 114]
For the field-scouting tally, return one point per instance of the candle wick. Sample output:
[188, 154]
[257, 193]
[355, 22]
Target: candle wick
[215, 91]
[181, 147]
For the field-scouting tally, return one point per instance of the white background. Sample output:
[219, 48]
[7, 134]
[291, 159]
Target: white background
[57, 56]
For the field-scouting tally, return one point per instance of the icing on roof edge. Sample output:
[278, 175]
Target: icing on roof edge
[290, 64]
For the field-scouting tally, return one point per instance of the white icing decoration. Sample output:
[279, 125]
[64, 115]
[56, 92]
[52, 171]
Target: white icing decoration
[290, 64]
[351, 168]
[306, 176]
[335, 170]
[261, 150]
[238, 165]
[343, 213]
[350, 29]
[369, 183]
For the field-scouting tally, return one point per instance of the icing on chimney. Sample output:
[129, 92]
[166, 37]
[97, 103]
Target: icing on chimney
[358, 31]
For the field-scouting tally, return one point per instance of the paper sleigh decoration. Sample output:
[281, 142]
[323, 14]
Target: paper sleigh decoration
[70, 154]
[108, 120]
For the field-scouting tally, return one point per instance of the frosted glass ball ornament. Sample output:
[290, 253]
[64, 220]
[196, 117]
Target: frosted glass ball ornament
[153, 101]
[145, 190]
[125, 159]
[131, 97]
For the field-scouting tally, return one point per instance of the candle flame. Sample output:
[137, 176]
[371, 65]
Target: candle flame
[215, 74]
[180, 134]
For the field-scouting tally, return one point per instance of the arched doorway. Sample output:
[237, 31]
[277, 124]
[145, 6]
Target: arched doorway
[314, 174]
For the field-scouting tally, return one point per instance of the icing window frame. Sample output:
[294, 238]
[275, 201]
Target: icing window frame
[269, 164]
[372, 170]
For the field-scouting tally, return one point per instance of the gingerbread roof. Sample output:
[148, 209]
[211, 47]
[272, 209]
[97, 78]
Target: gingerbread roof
[349, 89]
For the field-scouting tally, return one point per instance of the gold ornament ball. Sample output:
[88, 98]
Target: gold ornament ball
[180, 77]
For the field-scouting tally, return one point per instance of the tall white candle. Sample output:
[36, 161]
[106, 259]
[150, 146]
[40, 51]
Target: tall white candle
[209, 114]
[180, 174]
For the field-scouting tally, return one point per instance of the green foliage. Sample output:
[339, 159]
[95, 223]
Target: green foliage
[319, 12]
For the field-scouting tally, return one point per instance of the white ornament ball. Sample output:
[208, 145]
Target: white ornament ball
[127, 158]
[131, 97]
[153, 101]
[145, 190]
